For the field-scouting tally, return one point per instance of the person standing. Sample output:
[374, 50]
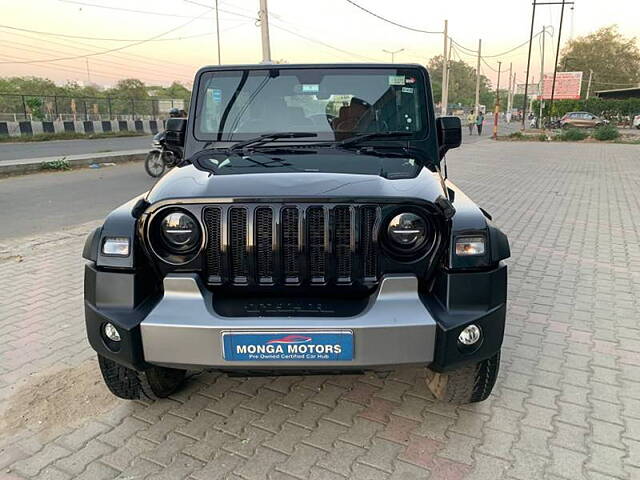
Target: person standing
[471, 120]
[480, 122]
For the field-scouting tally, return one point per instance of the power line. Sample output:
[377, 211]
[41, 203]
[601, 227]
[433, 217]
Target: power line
[107, 39]
[79, 46]
[292, 32]
[106, 51]
[380, 17]
[121, 66]
[131, 10]
[254, 18]
[488, 66]
[320, 42]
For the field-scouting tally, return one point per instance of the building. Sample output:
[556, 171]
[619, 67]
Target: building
[619, 93]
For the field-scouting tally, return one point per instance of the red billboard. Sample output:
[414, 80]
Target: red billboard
[568, 85]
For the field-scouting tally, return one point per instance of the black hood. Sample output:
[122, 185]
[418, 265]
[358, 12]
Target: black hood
[188, 182]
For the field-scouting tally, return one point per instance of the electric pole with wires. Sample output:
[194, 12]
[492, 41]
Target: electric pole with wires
[445, 71]
[477, 108]
[496, 108]
[263, 16]
[218, 33]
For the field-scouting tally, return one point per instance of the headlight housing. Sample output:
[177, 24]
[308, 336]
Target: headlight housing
[175, 236]
[408, 234]
[180, 232]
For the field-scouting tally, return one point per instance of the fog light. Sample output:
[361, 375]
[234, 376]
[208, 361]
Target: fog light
[470, 335]
[111, 332]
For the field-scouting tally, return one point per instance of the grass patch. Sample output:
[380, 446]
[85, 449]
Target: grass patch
[605, 133]
[516, 136]
[572, 135]
[59, 165]
[46, 137]
[542, 137]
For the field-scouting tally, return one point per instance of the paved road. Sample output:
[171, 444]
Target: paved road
[46, 202]
[16, 151]
[566, 405]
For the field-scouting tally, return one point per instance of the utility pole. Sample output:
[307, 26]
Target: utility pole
[541, 83]
[510, 94]
[496, 109]
[526, 80]
[263, 16]
[218, 33]
[555, 65]
[88, 72]
[393, 53]
[445, 71]
[478, 78]
[589, 84]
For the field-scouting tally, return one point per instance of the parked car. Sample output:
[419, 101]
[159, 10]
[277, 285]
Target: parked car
[636, 121]
[582, 120]
[294, 241]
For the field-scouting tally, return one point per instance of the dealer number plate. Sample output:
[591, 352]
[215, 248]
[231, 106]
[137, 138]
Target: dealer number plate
[288, 346]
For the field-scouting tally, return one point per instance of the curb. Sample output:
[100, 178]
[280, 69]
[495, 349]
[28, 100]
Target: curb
[34, 165]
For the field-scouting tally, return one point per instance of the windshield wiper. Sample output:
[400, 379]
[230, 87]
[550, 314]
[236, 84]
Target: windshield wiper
[370, 136]
[267, 137]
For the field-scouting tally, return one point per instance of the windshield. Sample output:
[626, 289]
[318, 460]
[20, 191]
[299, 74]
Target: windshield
[333, 103]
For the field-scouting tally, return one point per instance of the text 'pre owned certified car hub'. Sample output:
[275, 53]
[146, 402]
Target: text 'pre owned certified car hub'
[309, 228]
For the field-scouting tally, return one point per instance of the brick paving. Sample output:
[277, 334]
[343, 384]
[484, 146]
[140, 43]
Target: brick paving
[566, 405]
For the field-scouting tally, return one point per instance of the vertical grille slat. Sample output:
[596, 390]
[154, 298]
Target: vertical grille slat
[238, 244]
[264, 244]
[290, 245]
[369, 255]
[316, 244]
[274, 244]
[214, 258]
[342, 243]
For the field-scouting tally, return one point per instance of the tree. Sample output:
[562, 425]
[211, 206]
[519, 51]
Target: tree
[176, 91]
[614, 59]
[129, 88]
[462, 83]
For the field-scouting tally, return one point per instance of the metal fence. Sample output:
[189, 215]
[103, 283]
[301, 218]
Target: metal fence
[15, 107]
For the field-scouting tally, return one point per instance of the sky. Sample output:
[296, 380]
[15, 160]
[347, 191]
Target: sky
[147, 39]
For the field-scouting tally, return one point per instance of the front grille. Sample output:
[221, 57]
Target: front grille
[291, 245]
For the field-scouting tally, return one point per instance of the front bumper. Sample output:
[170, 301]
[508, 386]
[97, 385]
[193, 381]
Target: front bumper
[183, 330]
[176, 325]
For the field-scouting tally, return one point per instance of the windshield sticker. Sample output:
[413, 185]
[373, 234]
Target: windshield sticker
[407, 90]
[396, 79]
[216, 94]
[410, 80]
[310, 88]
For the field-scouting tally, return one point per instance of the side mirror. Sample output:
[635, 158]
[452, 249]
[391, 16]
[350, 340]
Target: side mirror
[449, 134]
[175, 131]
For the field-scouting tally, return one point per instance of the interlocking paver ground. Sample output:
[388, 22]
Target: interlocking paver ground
[566, 405]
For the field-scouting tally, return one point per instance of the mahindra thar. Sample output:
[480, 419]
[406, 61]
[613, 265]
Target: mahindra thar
[309, 228]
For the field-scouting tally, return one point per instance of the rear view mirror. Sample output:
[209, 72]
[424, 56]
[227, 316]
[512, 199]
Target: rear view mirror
[449, 134]
[175, 131]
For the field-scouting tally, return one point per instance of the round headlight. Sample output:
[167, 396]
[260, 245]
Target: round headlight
[407, 231]
[180, 232]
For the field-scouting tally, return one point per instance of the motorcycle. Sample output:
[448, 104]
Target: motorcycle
[161, 157]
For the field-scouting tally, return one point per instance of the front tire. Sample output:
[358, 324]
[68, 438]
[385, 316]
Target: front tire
[469, 384]
[151, 384]
[154, 164]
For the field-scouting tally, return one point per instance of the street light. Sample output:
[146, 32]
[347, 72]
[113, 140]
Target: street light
[393, 53]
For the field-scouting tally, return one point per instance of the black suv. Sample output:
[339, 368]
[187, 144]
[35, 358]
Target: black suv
[309, 228]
